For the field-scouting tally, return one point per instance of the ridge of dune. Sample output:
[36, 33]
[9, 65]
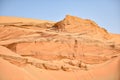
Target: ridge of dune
[9, 19]
[6, 51]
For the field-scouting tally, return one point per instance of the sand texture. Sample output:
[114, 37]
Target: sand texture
[71, 49]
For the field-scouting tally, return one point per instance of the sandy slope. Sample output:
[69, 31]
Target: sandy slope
[8, 19]
[71, 49]
[109, 70]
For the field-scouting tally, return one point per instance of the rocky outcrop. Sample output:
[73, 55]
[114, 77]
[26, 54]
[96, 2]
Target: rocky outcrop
[48, 65]
[19, 61]
[78, 40]
[78, 25]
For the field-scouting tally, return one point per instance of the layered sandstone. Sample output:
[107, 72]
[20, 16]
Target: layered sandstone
[71, 46]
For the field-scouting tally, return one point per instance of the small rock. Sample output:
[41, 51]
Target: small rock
[51, 66]
[74, 62]
[65, 68]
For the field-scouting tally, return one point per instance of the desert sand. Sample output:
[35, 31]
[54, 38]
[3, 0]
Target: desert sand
[71, 49]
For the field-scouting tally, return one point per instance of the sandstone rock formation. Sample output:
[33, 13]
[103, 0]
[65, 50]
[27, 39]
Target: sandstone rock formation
[73, 48]
[74, 24]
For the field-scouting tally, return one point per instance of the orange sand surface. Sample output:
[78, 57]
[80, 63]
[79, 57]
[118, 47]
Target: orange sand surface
[71, 49]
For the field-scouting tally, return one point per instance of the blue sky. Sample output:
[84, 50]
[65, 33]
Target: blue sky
[106, 13]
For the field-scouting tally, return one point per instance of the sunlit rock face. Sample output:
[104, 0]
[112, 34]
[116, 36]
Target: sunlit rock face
[73, 48]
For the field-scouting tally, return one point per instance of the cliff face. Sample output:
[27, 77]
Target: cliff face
[72, 44]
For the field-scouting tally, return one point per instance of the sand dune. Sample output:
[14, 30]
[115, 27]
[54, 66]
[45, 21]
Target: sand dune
[106, 71]
[8, 19]
[71, 49]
